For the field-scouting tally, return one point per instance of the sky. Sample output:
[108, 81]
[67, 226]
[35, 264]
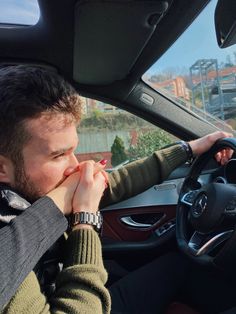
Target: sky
[197, 42]
[19, 11]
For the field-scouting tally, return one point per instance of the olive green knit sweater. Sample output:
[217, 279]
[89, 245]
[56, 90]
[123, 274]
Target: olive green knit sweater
[80, 285]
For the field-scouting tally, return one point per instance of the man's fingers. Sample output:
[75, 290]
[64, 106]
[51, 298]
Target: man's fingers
[105, 174]
[218, 157]
[71, 170]
[87, 172]
[101, 179]
[229, 153]
[72, 179]
[224, 155]
[89, 169]
[100, 165]
[220, 134]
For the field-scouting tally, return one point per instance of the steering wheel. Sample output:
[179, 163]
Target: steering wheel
[206, 214]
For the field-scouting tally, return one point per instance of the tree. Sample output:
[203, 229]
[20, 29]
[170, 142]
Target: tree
[118, 152]
[148, 142]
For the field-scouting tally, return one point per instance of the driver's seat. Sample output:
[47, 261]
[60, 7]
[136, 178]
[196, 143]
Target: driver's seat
[180, 308]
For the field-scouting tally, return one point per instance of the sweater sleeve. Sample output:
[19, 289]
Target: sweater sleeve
[79, 287]
[140, 175]
[24, 241]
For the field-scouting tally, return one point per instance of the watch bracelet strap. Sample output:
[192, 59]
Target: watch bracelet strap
[187, 148]
[93, 219]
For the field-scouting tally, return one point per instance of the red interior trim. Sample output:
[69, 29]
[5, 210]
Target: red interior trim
[114, 229]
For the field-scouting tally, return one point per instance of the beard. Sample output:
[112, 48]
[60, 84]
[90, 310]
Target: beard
[24, 185]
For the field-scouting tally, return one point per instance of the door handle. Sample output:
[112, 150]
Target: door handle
[131, 223]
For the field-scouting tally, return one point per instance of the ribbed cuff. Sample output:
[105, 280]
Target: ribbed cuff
[83, 247]
[174, 156]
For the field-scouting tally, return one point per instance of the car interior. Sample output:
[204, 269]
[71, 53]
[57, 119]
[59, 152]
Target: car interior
[106, 49]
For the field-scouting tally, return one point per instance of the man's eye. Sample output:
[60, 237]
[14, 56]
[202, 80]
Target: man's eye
[59, 156]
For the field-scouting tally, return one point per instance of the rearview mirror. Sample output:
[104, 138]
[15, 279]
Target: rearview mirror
[225, 23]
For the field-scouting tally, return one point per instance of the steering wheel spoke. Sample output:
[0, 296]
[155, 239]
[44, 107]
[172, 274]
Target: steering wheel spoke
[200, 244]
[188, 198]
[230, 210]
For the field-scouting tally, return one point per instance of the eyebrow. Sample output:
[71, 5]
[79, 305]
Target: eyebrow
[64, 150]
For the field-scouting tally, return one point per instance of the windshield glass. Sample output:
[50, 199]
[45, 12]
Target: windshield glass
[197, 74]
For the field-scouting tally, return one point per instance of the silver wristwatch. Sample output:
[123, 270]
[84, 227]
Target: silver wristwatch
[188, 150]
[94, 219]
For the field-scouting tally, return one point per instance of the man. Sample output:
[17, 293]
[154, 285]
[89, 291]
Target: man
[39, 113]
[38, 120]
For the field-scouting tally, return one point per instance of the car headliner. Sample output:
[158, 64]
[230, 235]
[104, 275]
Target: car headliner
[104, 47]
[123, 34]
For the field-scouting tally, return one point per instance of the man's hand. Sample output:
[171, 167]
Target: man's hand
[89, 191]
[204, 143]
[63, 194]
[92, 183]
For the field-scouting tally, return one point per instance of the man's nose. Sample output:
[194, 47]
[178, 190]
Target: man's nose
[72, 165]
[73, 161]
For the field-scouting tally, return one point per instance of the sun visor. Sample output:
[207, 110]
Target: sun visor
[110, 36]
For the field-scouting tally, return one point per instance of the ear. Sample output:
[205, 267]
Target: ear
[6, 170]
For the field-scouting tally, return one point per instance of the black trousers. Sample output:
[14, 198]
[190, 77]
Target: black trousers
[169, 278]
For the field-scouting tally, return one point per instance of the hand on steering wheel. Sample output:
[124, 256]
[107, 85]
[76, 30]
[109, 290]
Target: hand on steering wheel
[206, 214]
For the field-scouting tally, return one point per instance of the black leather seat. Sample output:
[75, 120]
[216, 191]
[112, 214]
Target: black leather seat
[180, 308]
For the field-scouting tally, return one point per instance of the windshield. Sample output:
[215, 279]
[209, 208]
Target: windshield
[197, 74]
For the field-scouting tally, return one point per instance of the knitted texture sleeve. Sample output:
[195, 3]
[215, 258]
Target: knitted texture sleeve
[140, 175]
[79, 287]
[24, 241]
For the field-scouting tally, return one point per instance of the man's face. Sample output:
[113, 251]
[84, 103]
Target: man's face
[46, 157]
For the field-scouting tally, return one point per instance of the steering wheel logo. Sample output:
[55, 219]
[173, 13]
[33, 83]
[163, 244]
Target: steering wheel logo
[199, 205]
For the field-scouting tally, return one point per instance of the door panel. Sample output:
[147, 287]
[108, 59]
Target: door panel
[143, 222]
[118, 227]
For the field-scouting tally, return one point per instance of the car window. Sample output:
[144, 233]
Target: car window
[197, 74]
[19, 12]
[107, 132]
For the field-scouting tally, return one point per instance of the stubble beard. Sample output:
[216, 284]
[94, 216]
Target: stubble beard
[24, 185]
